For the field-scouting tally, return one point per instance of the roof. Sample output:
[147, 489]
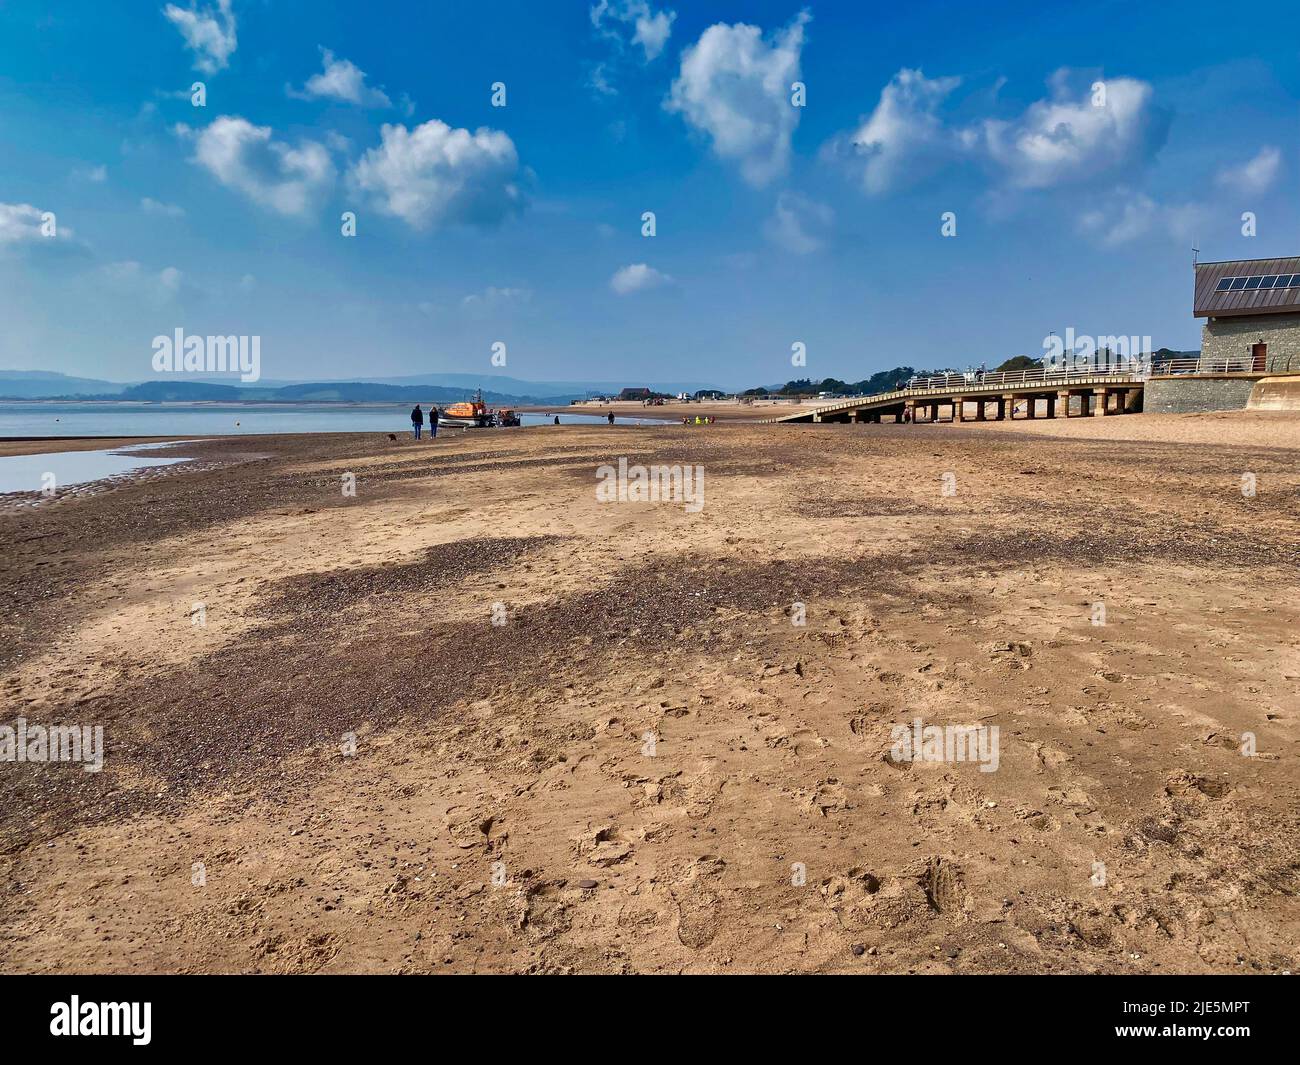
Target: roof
[1210, 301]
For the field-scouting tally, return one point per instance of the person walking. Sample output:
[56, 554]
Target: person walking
[417, 421]
[611, 417]
[433, 422]
[557, 419]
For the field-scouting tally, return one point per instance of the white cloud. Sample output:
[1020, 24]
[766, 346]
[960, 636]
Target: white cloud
[1130, 216]
[341, 80]
[129, 276]
[1255, 175]
[21, 222]
[157, 207]
[1061, 140]
[272, 173]
[337, 142]
[795, 223]
[650, 28]
[636, 278]
[97, 175]
[734, 86]
[652, 32]
[598, 80]
[904, 135]
[493, 301]
[209, 33]
[434, 175]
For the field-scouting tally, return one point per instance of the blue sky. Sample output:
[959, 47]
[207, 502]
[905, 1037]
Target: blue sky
[522, 224]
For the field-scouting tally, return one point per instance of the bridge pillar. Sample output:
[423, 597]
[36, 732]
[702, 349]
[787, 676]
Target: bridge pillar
[912, 408]
[980, 412]
[1007, 408]
[1099, 403]
[1063, 401]
[934, 410]
[1051, 404]
[959, 409]
[1031, 407]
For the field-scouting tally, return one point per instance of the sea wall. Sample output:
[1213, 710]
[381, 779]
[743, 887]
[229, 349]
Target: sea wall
[1275, 393]
[1185, 395]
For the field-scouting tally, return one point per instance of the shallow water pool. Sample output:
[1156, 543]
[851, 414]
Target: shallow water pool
[62, 469]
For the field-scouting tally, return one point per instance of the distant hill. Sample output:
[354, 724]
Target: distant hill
[518, 387]
[424, 388]
[325, 392]
[375, 392]
[43, 384]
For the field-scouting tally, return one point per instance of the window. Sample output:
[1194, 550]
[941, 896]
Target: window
[1268, 281]
[1253, 283]
[1224, 284]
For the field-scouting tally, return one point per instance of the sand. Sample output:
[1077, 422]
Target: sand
[672, 411]
[649, 765]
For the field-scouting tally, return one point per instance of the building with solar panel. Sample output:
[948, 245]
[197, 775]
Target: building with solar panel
[1252, 312]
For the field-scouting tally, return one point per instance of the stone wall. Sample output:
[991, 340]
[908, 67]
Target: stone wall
[1184, 395]
[1232, 338]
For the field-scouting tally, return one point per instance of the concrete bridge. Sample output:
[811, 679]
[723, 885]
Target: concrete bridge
[990, 397]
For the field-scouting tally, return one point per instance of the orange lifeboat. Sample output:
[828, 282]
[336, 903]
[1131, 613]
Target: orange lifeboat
[471, 413]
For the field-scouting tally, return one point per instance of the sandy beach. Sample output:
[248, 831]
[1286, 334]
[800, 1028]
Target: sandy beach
[471, 718]
[675, 412]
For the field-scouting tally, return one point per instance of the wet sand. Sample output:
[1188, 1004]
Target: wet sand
[675, 412]
[54, 444]
[647, 765]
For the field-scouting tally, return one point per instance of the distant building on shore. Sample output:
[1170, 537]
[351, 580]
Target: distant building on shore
[638, 394]
[1252, 312]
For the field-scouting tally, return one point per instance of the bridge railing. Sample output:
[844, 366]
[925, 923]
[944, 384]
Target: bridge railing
[1230, 364]
[1039, 375]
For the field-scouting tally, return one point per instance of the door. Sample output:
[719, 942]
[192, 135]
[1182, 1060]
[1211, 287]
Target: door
[1258, 357]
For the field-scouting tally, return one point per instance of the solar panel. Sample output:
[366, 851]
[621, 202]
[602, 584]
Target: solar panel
[1238, 283]
[1253, 283]
[1268, 281]
[1224, 284]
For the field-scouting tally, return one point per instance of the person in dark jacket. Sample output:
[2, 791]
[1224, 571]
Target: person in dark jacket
[557, 419]
[417, 421]
[433, 422]
[611, 417]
